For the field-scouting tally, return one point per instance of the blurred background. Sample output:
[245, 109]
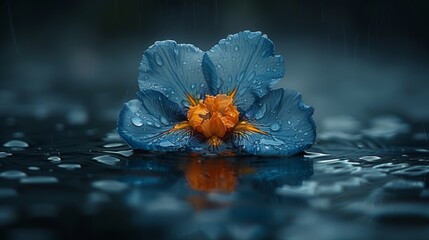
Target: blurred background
[79, 59]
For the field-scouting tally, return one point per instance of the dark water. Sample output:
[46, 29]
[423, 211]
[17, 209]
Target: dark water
[362, 180]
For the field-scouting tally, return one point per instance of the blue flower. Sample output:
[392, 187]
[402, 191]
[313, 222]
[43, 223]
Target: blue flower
[215, 100]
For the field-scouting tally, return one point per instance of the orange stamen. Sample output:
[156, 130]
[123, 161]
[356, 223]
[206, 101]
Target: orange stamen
[243, 127]
[213, 117]
[191, 100]
[233, 93]
[180, 126]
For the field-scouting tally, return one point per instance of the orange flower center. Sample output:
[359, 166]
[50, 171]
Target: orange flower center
[213, 116]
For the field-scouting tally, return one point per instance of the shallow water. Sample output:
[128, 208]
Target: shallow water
[362, 180]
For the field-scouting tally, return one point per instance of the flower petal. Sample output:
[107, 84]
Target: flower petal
[246, 62]
[146, 123]
[174, 70]
[285, 119]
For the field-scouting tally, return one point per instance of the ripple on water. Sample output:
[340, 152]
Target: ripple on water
[112, 136]
[39, 180]
[374, 175]
[16, 143]
[315, 154]
[111, 186]
[387, 167]
[329, 189]
[307, 189]
[106, 159]
[54, 159]
[423, 150]
[13, 174]
[414, 171]
[113, 145]
[69, 166]
[125, 153]
[370, 158]
[404, 186]
[4, 154]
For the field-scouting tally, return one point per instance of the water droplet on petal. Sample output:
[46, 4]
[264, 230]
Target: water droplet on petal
[138, 122]
[261, 112]
[166, 143]
[236, 48]
[275, 127]
[193, 85]
[164, 121]
[158, 59]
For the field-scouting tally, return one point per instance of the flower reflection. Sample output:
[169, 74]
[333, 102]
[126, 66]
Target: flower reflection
[224, 175]
[212, 175]
[216, 181]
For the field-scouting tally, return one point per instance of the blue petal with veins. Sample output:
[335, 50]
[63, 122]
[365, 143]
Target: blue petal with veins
[286, 120]
[145, 123]
[244, 61]
[174, 70]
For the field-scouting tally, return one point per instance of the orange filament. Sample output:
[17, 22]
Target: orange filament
[213, 117]
[243, 127]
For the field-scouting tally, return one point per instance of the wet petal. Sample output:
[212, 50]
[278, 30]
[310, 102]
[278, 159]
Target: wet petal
[285, 119]
[174, 70]
[145, 123]
[244, 61]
